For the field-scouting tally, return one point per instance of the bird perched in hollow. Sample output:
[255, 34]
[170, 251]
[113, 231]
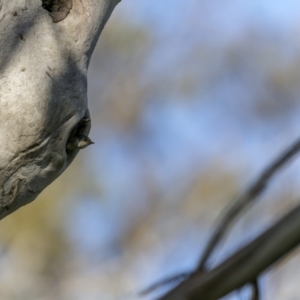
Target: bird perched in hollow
[78, 142]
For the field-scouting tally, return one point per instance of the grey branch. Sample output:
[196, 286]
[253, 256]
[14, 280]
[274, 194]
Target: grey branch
[245, 265]
[248, 263]
[245, 199]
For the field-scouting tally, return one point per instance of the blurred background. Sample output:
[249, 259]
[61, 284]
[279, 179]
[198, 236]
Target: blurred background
[189, 100]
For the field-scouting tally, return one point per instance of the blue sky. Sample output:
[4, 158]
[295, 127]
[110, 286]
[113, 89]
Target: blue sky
[183, 136]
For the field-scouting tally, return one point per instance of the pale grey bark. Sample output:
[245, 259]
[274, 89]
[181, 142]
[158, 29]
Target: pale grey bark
[43, 91]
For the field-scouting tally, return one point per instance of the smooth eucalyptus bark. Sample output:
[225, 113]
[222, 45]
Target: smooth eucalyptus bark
[44, 56]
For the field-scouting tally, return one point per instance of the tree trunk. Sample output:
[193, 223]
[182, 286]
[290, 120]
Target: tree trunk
[45, 50]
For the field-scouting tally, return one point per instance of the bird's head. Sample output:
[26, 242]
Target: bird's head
[84, 141]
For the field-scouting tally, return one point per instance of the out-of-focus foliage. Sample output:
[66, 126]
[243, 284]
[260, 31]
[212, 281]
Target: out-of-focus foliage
[189, 100]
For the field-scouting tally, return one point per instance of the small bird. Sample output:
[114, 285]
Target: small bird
[79, 141]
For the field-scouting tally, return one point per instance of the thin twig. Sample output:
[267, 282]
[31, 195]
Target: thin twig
[255, 290]
[168, 280]
[245, 199]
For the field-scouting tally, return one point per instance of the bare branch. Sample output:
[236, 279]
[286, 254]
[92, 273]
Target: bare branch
[243, 266]
[245, 199]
